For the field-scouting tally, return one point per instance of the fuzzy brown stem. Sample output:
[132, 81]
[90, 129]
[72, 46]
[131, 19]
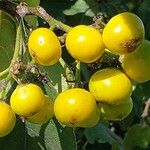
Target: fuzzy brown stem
[39, 11]
[146, 109]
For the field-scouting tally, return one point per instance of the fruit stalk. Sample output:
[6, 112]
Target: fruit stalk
[3, 73]
[77, 74]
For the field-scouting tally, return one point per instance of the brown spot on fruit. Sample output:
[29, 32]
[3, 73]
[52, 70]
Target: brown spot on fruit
[73, 120]
[131, 45]
[33, 54]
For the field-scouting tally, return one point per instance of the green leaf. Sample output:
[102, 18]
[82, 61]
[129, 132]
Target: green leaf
[146, 89]
[7, 39]
[32, 3]
[142, 10]
[85, 72]
[102, 134]
[88, 7]
[56, 74]
[138, 136]
[49, 136]
[15, 140]
[52, 5]
[32, 20]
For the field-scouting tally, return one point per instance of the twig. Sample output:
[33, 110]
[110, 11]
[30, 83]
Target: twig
[146, 109]
[22, 10]
[78, 74]
[39, 11]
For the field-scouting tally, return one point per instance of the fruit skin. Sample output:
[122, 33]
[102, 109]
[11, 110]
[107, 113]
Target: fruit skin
[84, 43]
[123, 33]
[76, 108]
[44, 46]
[45, 114]
[136, 65]
[8, 119]
[27, 99]
[110, 86]
[116, 112]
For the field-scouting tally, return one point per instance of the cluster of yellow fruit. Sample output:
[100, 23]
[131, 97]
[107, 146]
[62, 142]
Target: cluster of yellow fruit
[123, 35]
[74, 107]
[29, 102]
[110, 89]
[108, 98]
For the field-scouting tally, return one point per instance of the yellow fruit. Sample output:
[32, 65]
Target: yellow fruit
[27, 99]
[76, 108]
[136, 65]
[45, 114]
[116, 112]
[84, 43]
[44, 46]
[123, 33]
[8, 119]
[110, 86]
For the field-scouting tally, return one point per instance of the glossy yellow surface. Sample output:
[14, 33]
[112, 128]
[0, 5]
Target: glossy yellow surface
[76, 108]
[84, 43]
[45, 114]
[137, 64]
[44, 46]
[7, 119]
[123, 33]
[110, 85]
[27, 99]
[116, 112]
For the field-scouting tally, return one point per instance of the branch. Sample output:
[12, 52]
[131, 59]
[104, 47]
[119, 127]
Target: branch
[22, 10]
[39, 11]
[78, 74]
[146, 109]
